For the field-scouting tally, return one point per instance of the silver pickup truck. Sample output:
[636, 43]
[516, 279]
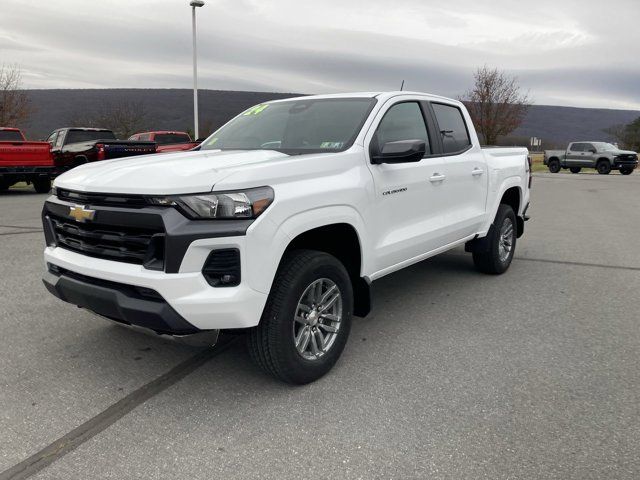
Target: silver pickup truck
[602, 156]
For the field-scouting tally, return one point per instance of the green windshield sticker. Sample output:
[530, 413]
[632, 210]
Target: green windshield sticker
[213, 140]
[256, 110]
[331, 144]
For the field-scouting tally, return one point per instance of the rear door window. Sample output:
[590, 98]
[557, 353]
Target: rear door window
[577, 147]
[453, 129]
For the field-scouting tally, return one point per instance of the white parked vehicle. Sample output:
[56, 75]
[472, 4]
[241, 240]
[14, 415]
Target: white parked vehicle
[281, 221]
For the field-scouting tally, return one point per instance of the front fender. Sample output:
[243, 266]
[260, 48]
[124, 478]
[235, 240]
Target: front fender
[267, 242]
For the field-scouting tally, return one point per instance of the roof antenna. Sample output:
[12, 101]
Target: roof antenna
[402, 85]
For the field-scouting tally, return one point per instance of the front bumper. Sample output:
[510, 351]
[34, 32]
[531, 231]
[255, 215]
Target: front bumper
[123, 303]
[623, 164]
[94, 273]
[187, 302]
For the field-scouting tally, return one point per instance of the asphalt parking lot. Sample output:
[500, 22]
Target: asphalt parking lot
[456, 375]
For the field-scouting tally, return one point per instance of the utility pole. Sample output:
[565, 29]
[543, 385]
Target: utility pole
[195, 4]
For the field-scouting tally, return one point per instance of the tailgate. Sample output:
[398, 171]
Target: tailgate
[128, 149]
[25, 154]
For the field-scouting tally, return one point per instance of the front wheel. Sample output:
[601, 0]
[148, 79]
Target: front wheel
[575, 169]
[603, 167]
[501, 243]
[306, 322]
[626, 171]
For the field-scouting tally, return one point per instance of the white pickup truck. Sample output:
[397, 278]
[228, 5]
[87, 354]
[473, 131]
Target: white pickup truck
[281, 220]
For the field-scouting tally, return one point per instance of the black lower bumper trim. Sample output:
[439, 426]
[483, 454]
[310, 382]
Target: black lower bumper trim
[128, 304]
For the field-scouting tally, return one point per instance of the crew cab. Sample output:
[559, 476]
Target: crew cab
[76, 146]
[602, 156]
[167, 141]
[24, 161]
[279, 222]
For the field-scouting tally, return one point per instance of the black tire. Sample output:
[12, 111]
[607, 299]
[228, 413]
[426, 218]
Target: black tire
[490, 261]
[42, 185]
[626, 171]
[271, 343]
[554, 165]
[575, 169]
[603, 167]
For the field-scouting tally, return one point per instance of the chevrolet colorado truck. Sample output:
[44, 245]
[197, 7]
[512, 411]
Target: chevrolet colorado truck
[602, 156]
[281, 220]
[167, 141]
[24, 161]
[76, 146]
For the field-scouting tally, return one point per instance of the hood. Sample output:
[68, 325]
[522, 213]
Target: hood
[623, 152]
[162, 174]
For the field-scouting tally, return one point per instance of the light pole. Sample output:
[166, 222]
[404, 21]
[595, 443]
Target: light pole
[194, 4]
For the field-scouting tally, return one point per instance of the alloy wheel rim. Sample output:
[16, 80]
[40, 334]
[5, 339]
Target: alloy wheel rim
[505, 242]
[317, 319]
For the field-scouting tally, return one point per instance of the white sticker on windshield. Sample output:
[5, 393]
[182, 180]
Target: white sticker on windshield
[331, 144]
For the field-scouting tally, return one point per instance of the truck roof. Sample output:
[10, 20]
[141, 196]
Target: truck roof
[88, 129]
[381, 95]
[10, 129]
[162, 132]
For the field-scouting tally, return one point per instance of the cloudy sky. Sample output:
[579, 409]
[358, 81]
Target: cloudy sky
[565, 52]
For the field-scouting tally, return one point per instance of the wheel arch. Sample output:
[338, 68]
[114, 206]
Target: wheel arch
[510, 193]
[342, 241]
[337, 230]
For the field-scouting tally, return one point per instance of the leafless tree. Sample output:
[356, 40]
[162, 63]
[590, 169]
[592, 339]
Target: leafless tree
[124, 118]
[496, 104]
[627, 136]
[15, 106]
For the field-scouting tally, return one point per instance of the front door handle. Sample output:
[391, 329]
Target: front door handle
[477, 171]
[436, 177]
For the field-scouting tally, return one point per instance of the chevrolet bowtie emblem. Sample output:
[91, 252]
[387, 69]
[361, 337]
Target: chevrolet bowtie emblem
[81, 214]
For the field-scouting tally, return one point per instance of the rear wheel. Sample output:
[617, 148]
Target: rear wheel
[554, 165]
[42, 185]
[603, 167]
[502, 243]
[306, 322]
[575, 169]
[626, 171]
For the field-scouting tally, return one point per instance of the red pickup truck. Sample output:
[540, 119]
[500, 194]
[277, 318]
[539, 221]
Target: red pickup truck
[23, 161]
[167, 141]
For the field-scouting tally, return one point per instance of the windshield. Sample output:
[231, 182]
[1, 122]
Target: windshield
[168, 138]
[77, 136]
[10, 136]
[605, 147]
[295, 127]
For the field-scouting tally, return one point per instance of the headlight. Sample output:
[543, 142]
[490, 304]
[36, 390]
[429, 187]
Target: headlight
[239, 204]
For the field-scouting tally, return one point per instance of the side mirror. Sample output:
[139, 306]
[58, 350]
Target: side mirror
[593, 150]
[401, 151]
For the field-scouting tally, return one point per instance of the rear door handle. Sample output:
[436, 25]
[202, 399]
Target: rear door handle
[436, 177]
[477, 171]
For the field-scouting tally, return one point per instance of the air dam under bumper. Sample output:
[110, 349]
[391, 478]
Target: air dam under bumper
[123, 303]
[187, 295]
